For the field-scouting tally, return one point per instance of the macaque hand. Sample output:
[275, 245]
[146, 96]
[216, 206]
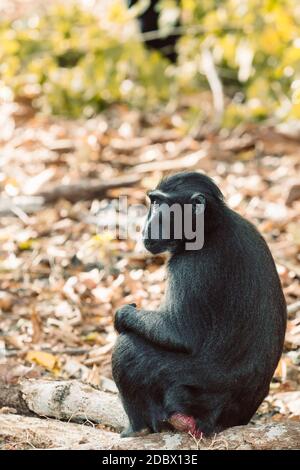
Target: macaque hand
[122, 316]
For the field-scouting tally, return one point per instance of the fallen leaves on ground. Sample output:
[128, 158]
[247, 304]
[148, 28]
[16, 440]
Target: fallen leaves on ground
[62, 277]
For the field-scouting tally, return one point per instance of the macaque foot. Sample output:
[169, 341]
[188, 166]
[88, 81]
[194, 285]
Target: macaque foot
[185, 423]
[129, 432]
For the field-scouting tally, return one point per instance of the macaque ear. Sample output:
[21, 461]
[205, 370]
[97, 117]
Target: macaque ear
[199, 202]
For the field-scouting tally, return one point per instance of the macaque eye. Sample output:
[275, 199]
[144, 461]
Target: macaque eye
[155, 205]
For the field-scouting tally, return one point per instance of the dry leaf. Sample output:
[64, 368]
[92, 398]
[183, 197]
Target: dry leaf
[44, 359]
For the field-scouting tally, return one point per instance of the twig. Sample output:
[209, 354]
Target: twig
[293, 308]
[215, 84]
[21, 214]
[197, 441]
[68, 351]
[178, 31]
[191, 160]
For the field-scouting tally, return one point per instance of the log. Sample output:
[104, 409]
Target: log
[74, 401]
[11, 397]
[27, 432]
[67, 400]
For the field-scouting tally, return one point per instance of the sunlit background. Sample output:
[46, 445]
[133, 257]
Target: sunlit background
[76, 58]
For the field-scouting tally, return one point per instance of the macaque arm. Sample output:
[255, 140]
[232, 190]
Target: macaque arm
[153, 326]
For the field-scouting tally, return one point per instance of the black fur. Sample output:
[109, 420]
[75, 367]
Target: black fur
[211, 349]
[148, 21]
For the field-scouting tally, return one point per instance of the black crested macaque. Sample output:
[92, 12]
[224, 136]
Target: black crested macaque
[204, 360]
[149, 22]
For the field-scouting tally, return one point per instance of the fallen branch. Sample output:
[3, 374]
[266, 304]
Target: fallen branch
[196, 159]
[67, 400]
[11, 398]
[20, 205]
[87, 189]
[26, 432]
[72, 400]
[75, 401]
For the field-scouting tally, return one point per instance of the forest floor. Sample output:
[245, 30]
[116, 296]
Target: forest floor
[63, 277]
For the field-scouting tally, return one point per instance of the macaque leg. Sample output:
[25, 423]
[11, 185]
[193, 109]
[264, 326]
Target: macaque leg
[137, 426]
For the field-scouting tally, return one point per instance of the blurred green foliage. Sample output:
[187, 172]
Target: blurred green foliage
[70, 61]
[256, 49]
